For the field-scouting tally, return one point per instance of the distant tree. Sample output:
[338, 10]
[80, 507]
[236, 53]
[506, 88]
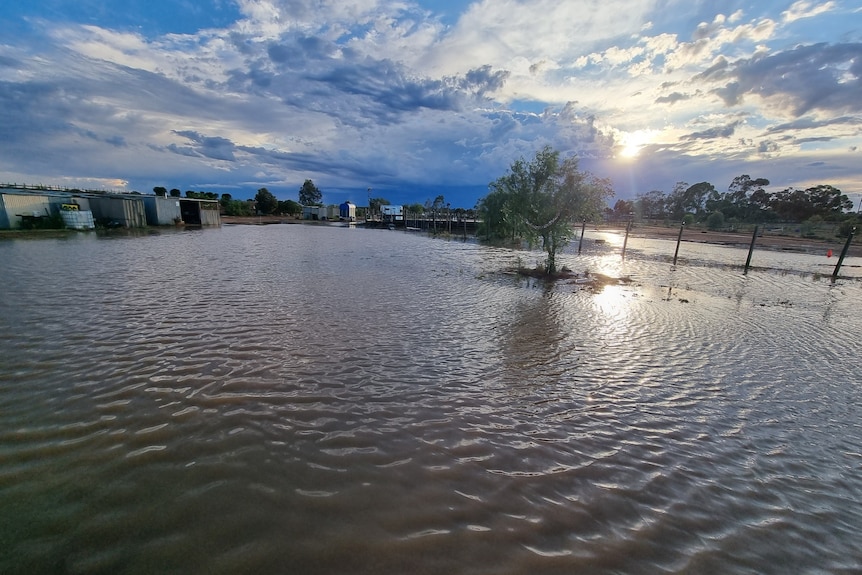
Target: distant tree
[415, 208]
[850, 223]
[740, 197]
[237, 208]
[265, 201]
[696, 196]
[715, 221]
[375, 203]
[309, 194]
[160, 191]
[289, 207]
[224, 200]
[175, 193]
[675, 205]
[623, 209]
[796, 205]
[651, 205]
[547, 195]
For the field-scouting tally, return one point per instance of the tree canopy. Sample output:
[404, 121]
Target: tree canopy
[309, 194]
[265, 201]
[746, 200]
[541, 198]
[375, 203]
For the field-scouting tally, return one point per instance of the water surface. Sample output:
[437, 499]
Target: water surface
[311, 399]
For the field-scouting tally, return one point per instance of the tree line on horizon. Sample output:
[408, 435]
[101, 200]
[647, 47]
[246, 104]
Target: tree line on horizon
[746, 201]
[264, 202]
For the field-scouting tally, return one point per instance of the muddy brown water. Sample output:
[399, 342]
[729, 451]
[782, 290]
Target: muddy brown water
[296, 399]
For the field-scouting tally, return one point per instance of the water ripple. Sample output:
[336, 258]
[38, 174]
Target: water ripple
[316, 400]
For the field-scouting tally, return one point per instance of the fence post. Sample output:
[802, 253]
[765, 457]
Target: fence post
[750, 249]
[581, 241]
[678, 239]
[843, 253]
[626, 239]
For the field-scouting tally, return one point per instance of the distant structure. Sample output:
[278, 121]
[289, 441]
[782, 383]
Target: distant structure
[392, 214]
[347, 212]
[26, 207]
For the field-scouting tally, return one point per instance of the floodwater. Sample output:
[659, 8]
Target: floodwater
[313, 399]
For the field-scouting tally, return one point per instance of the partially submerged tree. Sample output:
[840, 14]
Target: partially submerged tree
[547, 195]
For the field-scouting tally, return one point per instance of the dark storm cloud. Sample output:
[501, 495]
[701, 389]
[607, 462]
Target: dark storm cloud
[484, 80]
[311, 73]
[826, 77]
[320, 162]
[214, 147]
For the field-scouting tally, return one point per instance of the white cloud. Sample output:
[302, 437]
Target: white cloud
[358, 91]
[806, 9]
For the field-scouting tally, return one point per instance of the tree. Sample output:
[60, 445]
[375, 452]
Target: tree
[265, 201]
[160, 191]
[743, 197]
[237, 208]
[175, 193]
[623, 209]
[289, 207]
[715, 221]
[309, 194]
[493, 213]
[416, 208]
[375, 203]
[548, 195]
[676, 201]
[796, 205]
[651, 205]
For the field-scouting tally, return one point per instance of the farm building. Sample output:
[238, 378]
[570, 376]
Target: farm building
[22, 207]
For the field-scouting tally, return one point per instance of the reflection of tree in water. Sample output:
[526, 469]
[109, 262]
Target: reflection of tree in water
[534, 344]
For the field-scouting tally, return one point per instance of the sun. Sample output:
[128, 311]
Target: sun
[633, 142]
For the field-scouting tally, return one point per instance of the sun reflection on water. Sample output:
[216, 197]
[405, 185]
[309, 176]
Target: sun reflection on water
[614, 302]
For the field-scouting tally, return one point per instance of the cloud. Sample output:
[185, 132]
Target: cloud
[725, 131]
[806, 9]
[386, 94]
[672, 98]
[216, 148]
[819, 77]
[812, 124]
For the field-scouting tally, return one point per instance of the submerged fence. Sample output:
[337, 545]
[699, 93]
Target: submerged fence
[756, 232]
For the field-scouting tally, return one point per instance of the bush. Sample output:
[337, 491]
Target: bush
[847, 226]
[715, 221]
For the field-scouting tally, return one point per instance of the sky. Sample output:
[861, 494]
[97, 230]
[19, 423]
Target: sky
[411, 99]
